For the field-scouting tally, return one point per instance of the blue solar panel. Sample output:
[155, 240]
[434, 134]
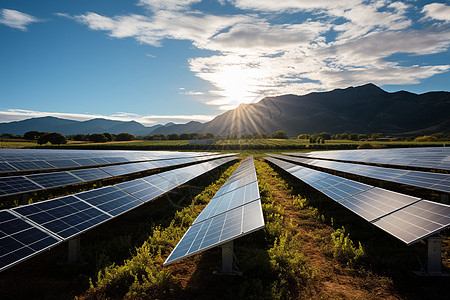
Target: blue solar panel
[49, 180]
[63, 163]
[141, 189]
[65, 217]
[416, 221]
[228, 201]
[31, 165]
[110, 199]
[20, 240]
[5, 167]
[16, 184]
[218, 230]
[90, 174]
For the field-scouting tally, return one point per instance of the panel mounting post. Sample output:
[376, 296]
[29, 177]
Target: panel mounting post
[227, 258]
[74, 250]
[444, 198]
[434, 260]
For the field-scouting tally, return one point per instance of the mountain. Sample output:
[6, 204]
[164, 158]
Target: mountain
[69, 127]
[362, 109]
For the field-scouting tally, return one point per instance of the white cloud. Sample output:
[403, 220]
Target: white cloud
[157, 5]
[149, 120]
[257, 55]
[16, 19]
[437, 11]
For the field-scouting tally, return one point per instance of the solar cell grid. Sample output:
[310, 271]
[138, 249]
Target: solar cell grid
[90, 174]
[110, 199]
[20, 240]
[65, 217]
[16, 184]
[416, 221]
[31, 165]
[141, 189]
[63, 163]
[49, 180]
[218, 230]
[5, 167]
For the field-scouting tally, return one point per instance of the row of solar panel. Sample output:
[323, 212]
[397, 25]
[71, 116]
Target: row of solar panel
[10, 155]
[67, 161]
[408, 218]
[234, 211]
[434, 181]
[30, 183]
[432, 158]
[28, 230]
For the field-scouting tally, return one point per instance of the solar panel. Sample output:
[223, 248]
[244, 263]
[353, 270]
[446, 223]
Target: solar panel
[49, 180]
[31, 165]
[90, 174]
[416, 221]
[63, 163]
[141, 189]
[20, 240]
[110, 199]
[5, 167]
[228, 201]
[65, 217]
[218, 230]
[408, 218]
[420, 179]
[375, 203]
[16, 184]
[233, 213]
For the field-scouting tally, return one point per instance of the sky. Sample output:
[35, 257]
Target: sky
[159, 61]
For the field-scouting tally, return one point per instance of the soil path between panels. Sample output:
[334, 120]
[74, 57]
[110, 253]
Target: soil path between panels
[331, 280]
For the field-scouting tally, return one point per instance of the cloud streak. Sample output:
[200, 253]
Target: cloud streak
[323, 45]
[16, 19]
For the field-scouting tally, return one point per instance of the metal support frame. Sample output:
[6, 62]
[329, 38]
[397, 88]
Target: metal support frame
[444, 198]
[227, 258]
[434, 259]
[74, 250]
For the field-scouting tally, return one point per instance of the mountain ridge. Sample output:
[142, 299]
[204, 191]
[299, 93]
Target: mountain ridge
[362, 109]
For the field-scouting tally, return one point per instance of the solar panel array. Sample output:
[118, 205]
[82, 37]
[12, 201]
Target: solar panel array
[234, 211]
[30, 229]
[408, 218]
[426, 157]
[30, 183]
[434, 181]
[17, 160]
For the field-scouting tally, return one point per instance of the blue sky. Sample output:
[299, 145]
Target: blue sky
[157, 61]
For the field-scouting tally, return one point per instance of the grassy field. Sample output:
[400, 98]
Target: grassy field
[311, 248]
[221, 145]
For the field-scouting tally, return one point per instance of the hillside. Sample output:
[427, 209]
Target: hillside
[363, 109]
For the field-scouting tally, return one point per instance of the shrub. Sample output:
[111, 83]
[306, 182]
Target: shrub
[344, 249]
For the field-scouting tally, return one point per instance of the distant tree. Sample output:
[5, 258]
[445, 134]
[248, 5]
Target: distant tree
[280, 134]
[79, 137]
[353, 136]
[303, 136]
[108, 136]
[173, 136]
[32, 135]
[98, 138]
[325, 135]
[362, 136]
[155, 137]
[247, 136]
[54, 138]
[375, 136]
[231, 137]
[124, 137]
[185, 136]
[426, 138]
[206, 136]
[259, 135]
